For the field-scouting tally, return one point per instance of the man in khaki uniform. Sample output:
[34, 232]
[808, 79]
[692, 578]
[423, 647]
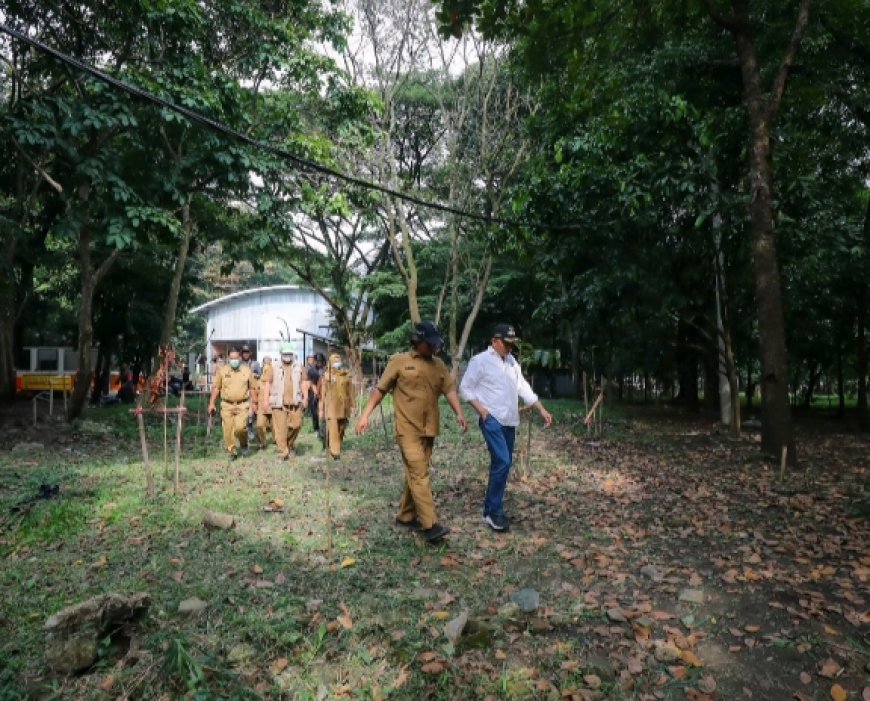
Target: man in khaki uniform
[264, 411]
[336, 403]
[234, 384]
[417, 379]
[285, 398]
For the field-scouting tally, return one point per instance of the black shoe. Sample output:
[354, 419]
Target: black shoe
[497, 523]
[246, 452]
[233, 456]
[436, 533]
[413, 523]
[336, 457]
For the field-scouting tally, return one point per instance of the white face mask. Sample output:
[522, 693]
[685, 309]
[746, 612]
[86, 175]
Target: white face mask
[287, 359]
[336, 366]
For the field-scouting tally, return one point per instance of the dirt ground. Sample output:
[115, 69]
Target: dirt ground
[668, 562]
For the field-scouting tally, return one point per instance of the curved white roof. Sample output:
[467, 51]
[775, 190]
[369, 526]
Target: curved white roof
[244, 293]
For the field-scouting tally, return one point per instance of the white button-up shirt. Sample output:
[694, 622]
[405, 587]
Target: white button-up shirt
[497, 383]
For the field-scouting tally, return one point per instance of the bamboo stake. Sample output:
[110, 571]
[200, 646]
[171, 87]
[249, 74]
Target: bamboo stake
[528, 456]
[591, 413]
[328, 504]
[166, 424]
[149, 477]
[782, 463]
[585, 401]
[178, 429]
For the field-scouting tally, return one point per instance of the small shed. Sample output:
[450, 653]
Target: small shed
[264, 318]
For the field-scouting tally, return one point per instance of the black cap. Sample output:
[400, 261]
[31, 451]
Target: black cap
[246, 348]
[506, 333]
[427, 331]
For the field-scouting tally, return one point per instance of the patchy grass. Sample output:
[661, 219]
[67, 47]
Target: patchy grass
[329, 599]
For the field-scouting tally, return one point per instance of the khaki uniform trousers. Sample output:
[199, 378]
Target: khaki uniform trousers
[264, 423]
[234, 420]
[417, 494]
[335, 435]
[286, 423]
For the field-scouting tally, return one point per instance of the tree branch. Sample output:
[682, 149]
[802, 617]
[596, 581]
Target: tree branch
[779, 82]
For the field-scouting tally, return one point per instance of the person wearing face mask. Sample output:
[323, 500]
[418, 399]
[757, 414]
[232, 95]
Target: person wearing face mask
[336, 403]
[264, 411]
[234, 383]
[417, 379]
[285, 398]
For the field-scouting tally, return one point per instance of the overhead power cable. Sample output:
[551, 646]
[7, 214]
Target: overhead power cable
[270, 148]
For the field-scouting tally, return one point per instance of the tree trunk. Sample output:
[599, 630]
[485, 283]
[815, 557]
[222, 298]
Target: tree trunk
[776, 431]
[861, 351]
[84, 375]
[399, 233]
[815, 374]
[7, 321]
[841, 389]
[482, 282]
[171, 308]
[90, 278]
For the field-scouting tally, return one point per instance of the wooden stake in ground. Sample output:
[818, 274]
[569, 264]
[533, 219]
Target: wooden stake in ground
[782, 463]
[178, 428]
[328, 502]
[208, 423]
[149, 477]
[591, 413]
[585, 401]
[166, 426]
[528, 459]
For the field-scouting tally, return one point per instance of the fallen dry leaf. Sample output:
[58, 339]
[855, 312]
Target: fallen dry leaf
[691, 658]
[279, 665]
[401, 678]
[829, 669]
[348, 562]
[806, 678]
[838, 693]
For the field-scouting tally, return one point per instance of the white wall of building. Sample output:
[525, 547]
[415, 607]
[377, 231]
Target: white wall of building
[263, 316]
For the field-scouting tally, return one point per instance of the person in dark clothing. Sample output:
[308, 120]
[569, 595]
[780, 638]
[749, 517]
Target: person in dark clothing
[311, 389]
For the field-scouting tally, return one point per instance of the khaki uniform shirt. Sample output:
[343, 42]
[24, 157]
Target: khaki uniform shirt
[263, 398]
[337, 394]
[234, 385]
[416, 383]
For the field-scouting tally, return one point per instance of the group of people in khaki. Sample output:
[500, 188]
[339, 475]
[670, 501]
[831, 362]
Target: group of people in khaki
[275, 397]
[492, 385]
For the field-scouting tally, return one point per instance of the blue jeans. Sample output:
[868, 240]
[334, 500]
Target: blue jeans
[500, 441]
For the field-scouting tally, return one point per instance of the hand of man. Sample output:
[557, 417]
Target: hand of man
[362, 425]
[547, 416]
[463, 424]
[211, 408]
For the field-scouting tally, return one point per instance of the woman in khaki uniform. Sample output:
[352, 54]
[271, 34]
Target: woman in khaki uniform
[234, 384]
[336, 403]
[264, 411]
[417, 379]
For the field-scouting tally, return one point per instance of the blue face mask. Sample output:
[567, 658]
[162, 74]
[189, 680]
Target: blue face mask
[235, 363]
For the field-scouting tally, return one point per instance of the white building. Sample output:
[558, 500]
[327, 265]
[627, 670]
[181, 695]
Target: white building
[264, 318]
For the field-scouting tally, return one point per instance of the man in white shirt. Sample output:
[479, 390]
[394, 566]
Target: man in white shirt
[492, 384]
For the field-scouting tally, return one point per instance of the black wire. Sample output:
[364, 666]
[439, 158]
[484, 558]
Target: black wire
[275, 150]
